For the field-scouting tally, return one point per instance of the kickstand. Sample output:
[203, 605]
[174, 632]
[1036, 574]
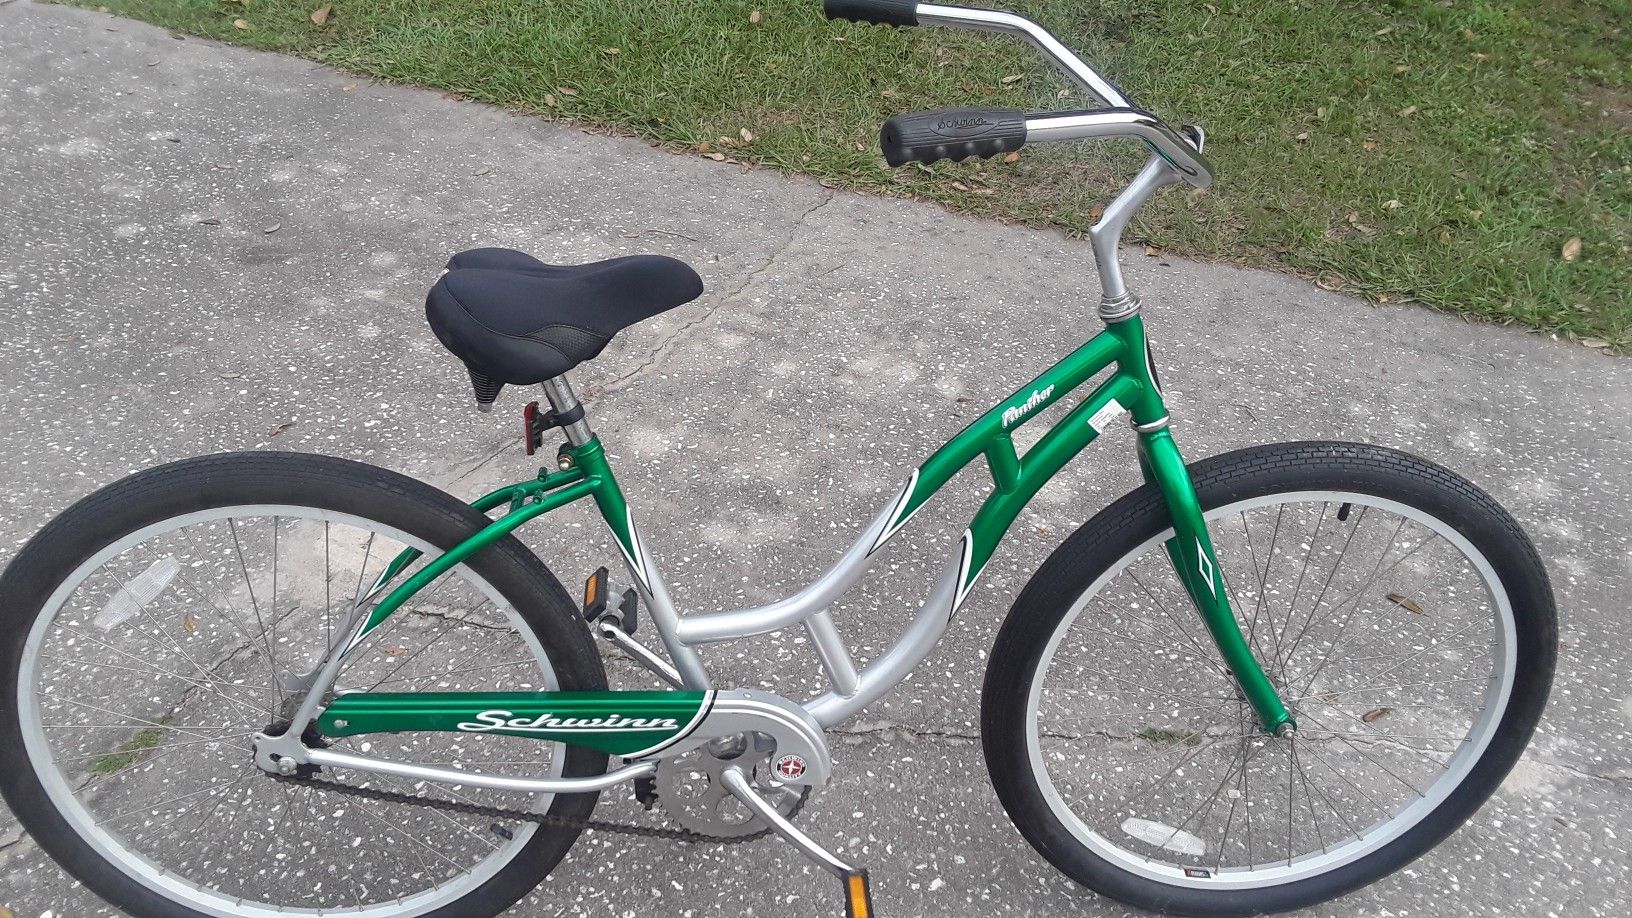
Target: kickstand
[858, 895]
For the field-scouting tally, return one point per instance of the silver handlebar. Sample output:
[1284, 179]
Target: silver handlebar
[1121, 119]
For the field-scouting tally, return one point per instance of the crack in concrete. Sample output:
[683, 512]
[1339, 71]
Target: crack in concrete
[680, 335]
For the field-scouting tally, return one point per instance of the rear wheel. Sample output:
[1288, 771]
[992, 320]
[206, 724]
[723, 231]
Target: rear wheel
[151, 629]
[1402, 615]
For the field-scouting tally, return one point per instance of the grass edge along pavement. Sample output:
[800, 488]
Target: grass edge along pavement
[1473, 156]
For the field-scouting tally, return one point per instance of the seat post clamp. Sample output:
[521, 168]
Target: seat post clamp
[535, 422]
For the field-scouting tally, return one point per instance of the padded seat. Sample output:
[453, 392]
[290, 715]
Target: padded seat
[514, 319]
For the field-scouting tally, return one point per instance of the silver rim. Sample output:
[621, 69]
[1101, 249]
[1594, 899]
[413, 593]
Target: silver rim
[152, 662]
[1387, 632]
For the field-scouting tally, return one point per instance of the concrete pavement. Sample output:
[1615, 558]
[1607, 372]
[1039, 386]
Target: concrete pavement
[148, 311]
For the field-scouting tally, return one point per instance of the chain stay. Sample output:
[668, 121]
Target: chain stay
[544, 819]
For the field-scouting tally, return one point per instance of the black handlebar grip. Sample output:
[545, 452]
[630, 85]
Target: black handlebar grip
[877, 12]
[952, 133]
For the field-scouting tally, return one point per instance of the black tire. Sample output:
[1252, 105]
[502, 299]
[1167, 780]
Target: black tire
[1222, 481]
[300, 480]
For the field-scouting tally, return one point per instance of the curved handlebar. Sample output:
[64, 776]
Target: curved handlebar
[913, 137]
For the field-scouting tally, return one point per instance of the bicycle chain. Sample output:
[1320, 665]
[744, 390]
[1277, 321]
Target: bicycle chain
[495, 812]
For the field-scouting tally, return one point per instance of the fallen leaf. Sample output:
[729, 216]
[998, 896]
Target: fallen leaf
[1444, 237]
[1211, 9]
[151, 64]
[321, 14]
[1012, 158]
[280, 428]
[1401, 68]
[1384, 30]
[396, 651]
[611, 50]
[1302, 137]
[1012, 78]
[188, 623]
[566, 90]
[1408, 111]
[549, 99]
[747, 135]
[1329, 282]
[1572, 249]
[1374, 713]
[209, 221]
[483, 171]
[231, 375]
[1594, 342]
[1151, 251]
[717, 157]
[959, 186]
[348, 87]
[888, 93]
[755, 16]
[1392, 204]
[1369, 145]
[1406, 603]
[240, 24]
[271, 228]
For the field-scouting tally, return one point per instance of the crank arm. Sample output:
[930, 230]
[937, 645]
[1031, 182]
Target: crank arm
[639, 652]
[858, 897]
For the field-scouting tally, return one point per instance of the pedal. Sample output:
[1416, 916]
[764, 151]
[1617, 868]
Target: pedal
[646, 791]
[858, 895]
[630, 607]
[595, 596]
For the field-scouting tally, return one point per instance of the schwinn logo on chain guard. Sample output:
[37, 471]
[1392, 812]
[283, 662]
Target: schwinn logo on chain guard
[549, 723]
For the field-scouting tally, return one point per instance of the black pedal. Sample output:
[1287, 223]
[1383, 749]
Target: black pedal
[646, 791]
[595, 596]
[630, 607]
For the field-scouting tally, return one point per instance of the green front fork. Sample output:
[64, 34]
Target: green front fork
[1191, 551]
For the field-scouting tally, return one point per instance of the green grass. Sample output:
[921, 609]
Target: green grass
[130, 751]
[1441, 151]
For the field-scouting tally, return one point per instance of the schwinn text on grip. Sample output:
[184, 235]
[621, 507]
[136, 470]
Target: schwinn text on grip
[951, 133]
[878, 12]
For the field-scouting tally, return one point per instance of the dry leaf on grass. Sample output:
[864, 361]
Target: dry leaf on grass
[321, 14]
[747, 135]
[240, 24]
[1012, 78]
[755, 16]
[1572, 249]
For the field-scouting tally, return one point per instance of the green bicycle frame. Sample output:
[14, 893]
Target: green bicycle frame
[1132, 388]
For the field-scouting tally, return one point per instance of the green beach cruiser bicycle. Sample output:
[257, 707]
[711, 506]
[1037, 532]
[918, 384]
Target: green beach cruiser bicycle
[265, 683]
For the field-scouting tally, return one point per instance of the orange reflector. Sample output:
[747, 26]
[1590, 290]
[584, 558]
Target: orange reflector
[592, 591]
[858, 898]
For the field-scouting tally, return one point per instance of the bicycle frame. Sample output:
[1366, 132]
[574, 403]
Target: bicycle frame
[1132, 388]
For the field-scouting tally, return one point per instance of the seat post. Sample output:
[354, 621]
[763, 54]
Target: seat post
[559, 392]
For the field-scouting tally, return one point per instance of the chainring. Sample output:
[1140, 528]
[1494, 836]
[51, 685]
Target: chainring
[690, 790]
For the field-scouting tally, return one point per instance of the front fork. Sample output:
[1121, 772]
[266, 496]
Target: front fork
[1191, 551]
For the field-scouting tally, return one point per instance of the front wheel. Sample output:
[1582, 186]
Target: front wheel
[1402, 615]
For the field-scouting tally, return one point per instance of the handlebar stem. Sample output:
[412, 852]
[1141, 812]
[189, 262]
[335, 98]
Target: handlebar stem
[1115, 302]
